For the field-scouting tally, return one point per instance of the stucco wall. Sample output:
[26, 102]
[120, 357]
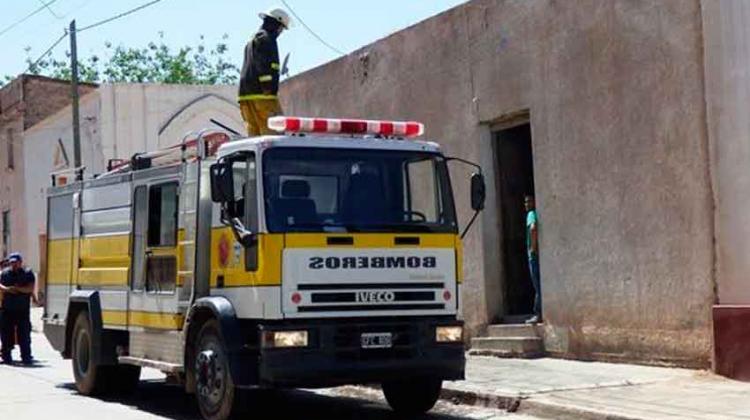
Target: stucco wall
[616, 97]
[728, 101]
[145, 117]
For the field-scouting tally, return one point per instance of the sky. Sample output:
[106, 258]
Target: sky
[345, 24]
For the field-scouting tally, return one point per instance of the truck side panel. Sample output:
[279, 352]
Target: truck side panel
[105, 247]
[60, 258]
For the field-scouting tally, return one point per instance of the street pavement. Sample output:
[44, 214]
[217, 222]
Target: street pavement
[495, 388]
[47, 391]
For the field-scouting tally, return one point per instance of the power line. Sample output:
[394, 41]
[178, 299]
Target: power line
[50, 10]
[302, 22]
[121, 15]
[49, 50]
[27, 17]
[101, 22]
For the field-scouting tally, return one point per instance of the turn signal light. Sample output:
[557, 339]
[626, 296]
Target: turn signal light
[285, 339]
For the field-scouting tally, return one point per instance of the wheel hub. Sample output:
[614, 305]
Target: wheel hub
[209, 370]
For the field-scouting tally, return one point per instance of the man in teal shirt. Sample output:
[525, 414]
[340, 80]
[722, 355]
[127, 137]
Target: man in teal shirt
[532, 250]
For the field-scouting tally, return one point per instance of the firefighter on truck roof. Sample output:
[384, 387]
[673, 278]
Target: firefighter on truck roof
[259, 81]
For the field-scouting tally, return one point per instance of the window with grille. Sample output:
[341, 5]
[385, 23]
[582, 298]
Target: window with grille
[6, 232]
[9, 144]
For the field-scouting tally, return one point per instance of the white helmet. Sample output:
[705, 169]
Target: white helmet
[280, 15]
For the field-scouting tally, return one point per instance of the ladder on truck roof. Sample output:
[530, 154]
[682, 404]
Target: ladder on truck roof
[195, 145]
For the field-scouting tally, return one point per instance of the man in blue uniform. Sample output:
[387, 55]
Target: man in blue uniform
[17, 287]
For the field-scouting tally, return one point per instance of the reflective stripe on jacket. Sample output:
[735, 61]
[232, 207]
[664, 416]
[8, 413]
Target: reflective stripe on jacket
[260, 69]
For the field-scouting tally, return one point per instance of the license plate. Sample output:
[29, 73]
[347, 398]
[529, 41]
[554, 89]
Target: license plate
[377, 340]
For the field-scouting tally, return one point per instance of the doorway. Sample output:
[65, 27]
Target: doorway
[515, 179]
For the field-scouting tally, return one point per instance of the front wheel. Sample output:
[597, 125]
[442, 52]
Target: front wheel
[214, 388]
[412, 397]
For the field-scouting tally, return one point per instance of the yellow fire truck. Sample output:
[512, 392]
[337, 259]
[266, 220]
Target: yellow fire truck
[326, 255]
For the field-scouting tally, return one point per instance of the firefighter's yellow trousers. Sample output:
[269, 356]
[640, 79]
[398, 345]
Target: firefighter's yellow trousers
[256, 112]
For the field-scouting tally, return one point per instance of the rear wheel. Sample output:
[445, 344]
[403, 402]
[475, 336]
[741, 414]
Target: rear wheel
[88, 375]
[214, 388]
[412, 397]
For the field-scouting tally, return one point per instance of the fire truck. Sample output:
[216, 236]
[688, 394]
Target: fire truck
[326, 255]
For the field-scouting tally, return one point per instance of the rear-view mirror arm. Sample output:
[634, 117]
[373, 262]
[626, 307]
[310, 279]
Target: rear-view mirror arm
[481, 177]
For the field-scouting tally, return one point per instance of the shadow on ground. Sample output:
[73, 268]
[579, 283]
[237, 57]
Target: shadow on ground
[161, 399]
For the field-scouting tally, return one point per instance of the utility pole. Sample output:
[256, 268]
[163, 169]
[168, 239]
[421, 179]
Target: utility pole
[74, 93]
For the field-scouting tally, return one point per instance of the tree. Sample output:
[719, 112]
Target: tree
[155, 63]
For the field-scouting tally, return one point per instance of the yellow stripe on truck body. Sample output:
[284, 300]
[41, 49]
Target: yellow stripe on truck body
[228, 260]
[105, 261]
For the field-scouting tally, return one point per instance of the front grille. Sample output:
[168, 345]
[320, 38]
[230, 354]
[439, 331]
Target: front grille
[357, 308]
[347, 297]
[358, 297]
[344, 286]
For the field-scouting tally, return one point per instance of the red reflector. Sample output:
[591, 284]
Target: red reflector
[447, 295]
[296, 298]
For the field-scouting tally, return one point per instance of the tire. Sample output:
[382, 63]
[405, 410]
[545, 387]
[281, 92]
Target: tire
[90, 377]
[214, 388]
[413, 397]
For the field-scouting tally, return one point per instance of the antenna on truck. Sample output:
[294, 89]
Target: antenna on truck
[225, 127]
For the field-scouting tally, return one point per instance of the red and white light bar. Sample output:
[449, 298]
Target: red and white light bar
[345, 126]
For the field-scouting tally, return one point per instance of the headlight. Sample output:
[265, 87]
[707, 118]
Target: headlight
[450, 334]
[285, 339]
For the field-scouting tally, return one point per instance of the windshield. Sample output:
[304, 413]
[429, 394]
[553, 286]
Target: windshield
[349, 190]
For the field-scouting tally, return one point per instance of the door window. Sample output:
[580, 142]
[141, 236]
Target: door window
[162, 216]
[422, 198]
[246, 201]
[159, 254]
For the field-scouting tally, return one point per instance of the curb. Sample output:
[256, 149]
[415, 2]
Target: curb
[508, 403]
[528, 405]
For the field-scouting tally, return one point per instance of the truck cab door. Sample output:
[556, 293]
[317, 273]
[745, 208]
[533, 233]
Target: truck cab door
[154, 317]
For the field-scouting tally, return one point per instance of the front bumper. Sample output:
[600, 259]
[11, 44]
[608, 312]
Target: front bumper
[335, 357]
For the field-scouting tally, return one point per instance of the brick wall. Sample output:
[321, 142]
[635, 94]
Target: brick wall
[43, 97]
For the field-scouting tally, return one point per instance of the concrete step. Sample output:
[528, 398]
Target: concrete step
[514, 330]
[515, 319]
[508, 346]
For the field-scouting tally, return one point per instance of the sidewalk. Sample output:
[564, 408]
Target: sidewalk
[563, 389]
[36, 319]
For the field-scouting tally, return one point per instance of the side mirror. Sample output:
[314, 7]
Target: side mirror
[478, 191]
[222, 182]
